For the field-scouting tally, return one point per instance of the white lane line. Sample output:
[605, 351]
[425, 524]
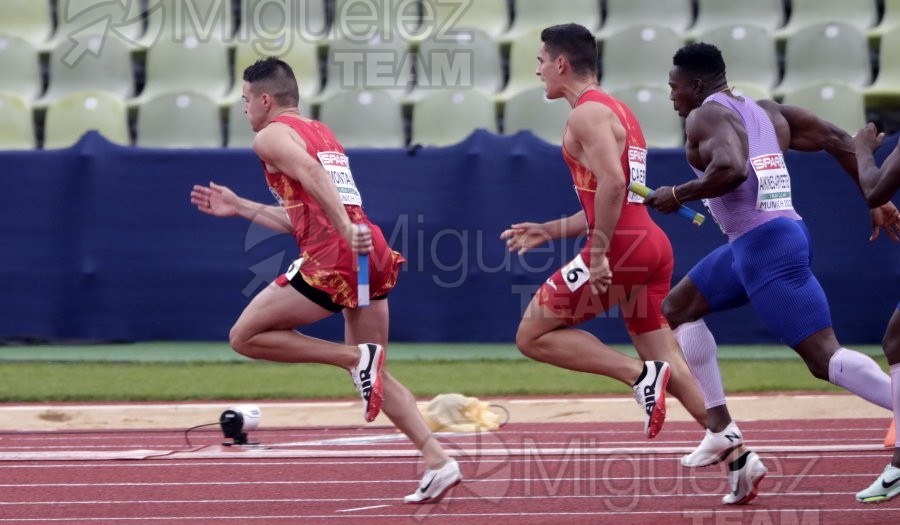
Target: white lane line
[363, 508]
[534, 497]
[109, 407]
[552, 516]
[712, 476]
[385, 461]
[505, 451]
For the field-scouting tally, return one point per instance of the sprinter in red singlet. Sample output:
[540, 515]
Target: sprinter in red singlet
[318, 202]
[626, 261]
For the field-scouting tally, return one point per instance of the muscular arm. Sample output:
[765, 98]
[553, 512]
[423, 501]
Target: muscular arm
[221, 201]
[721, 151]
[268, 216]
[878, 185]
[276, 146]
[808, 132]
[595, 128]
[571, 226]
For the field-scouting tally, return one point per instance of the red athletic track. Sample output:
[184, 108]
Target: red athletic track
[523, 474]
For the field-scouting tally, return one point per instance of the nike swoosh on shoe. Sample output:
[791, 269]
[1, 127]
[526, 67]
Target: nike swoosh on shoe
[887, 485]
[430, 481]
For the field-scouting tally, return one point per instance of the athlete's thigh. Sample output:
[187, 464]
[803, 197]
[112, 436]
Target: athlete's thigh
[773, 262]
[715, 279]
[538, 319]
[279, 308]
[368, 324]
[567, 295]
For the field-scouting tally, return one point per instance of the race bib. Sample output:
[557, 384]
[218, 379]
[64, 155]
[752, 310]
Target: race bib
[338, 166]
[576, 273]
[774, 192]
[637, 170]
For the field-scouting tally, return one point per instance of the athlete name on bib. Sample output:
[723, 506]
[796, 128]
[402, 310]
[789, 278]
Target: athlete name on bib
[637, 170]
[338, 166]
[774, 192]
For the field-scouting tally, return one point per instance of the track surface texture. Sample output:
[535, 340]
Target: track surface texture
[524, 473]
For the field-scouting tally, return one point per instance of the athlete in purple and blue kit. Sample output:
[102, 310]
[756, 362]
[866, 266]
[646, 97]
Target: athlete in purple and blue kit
[736, 146]
[879, 185]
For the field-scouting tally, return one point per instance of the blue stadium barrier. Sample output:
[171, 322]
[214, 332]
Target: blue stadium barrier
[100, 242]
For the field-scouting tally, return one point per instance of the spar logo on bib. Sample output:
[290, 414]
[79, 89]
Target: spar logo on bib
[637, 170]
[338, 166]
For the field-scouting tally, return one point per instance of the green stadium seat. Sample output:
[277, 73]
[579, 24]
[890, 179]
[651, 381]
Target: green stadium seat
[270, 20]
[179, 120]
[106, 68]
[29, 20]
[537, 14]
[532, 111]
[364, 119]
[175, 20]
[750, 90]
[74, 115]
[467, 60]
[374, 64]
[889, 21]
[83, 19]
[17, 131]
[299, 53]
[639, 56]
[831, 52]
[840, 104]
[523, 52]
[676, 15]
[239, 132]
[20, 69]
[750, 53]
[361, 20]
[660, 123]
[442, 17]
[714, 14]
[443, 118]
[885, 91]
[192, 65]
[861, 14]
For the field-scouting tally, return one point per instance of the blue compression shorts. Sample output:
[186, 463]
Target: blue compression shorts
[769, 267]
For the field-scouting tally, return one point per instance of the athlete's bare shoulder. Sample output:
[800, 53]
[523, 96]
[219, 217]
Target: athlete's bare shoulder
[708, 120]
[277, 134]
[586, 121]
[782, 118]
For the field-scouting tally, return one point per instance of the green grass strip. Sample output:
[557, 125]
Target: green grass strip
[97, 381]
[220, 352]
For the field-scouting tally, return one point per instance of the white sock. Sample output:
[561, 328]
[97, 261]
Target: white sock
[701, 354]
[895, 395]
[861, 375]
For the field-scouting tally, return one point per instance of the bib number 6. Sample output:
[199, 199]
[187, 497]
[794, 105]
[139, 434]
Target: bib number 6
[576, 273]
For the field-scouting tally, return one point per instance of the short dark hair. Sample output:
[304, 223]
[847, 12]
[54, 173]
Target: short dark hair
[701, 59]
[574, 41]
[274, 76]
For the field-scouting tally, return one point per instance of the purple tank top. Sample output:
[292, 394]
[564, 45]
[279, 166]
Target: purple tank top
[766, 194]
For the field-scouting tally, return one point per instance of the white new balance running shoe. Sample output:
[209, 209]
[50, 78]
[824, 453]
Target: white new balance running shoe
[715, 447]
[650, 394]
[436, 483]
[367, 378]
[885, 487]
[745, 474]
